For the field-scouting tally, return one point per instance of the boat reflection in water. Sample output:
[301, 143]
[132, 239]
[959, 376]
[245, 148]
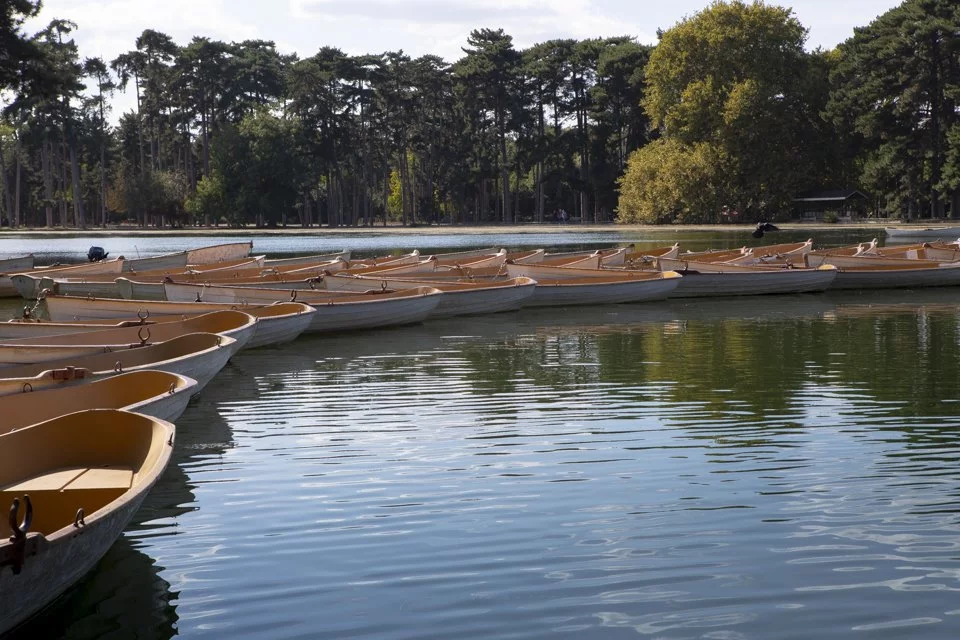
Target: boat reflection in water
[126, 595]
[721, 468]
[123, 597]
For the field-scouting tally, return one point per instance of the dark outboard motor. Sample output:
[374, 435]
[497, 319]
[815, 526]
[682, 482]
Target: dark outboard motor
[96, 254]
[763, 227]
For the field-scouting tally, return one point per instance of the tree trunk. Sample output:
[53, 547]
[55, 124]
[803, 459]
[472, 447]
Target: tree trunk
[355, 213]
[64, 214]
[15, 219]
[540, 201]
[331, 201]
[47, 185]
[7, 198]
[79, 218]
[103, 185]
[386, 193]
[136, 83]
[505, 173]
[404, 193]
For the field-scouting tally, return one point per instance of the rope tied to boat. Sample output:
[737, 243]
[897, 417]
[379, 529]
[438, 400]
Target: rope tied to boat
[31, 312]
[17, 553]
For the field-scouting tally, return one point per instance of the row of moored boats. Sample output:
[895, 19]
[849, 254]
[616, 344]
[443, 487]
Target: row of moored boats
[96, 372]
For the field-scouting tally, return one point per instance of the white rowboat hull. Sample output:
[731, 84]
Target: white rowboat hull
[567, 294]
[739, 283]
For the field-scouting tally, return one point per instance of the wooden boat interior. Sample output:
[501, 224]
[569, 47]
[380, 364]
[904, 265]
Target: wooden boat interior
[446, 286]
[322, 296]
[48, 379]
[198, 272]
[213, 322]
[120, 361]
[606, 278]
[127, 391]
[77, 461]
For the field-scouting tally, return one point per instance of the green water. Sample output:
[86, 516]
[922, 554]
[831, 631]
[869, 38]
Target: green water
[774, 467]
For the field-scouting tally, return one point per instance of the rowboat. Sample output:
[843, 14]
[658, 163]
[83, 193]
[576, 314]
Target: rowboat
[586, 259]
[527, 257]
[28, 284]
[936, 251]
[17, 264]
[588, 286]
[410, 267]
[544, 272]
[939, 252]
[31, 328]
[16, 354]
[880, 275]
[280, 322]
[86, 474]
[180, 259]
[474, 262]
[49, 379]
[460, 257]
[109, 286]
[387, 261]
[307, 260]
[868, 261]
[236, 324]
[150, 287]
[219, 253]
[458, 299]
[788, 253]
[334, 313]
[276, 323]
[646, 258]
[10, 266]
[943, 233]
[433, 265]
[706, 279]
[153, 393]
[196, 355]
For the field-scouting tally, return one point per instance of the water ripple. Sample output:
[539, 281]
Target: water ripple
[590, 473]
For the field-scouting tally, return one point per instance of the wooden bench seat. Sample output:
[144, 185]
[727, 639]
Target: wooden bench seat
[76, 479]
[58, 495]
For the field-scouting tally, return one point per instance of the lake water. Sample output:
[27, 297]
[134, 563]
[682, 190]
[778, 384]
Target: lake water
[774, 467]
[73, 248]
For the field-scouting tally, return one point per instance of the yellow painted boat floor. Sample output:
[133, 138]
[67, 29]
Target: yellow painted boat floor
[58, 495]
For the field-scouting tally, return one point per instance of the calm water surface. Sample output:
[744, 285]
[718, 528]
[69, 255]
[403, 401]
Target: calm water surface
[74, 248]
[771, 467]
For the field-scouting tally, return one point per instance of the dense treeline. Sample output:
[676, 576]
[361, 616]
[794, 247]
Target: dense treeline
[727, 113]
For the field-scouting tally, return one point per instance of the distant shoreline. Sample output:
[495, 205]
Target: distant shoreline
[446, 229]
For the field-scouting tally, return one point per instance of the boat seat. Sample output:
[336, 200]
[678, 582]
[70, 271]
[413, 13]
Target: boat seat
[57, 495]
[76, 478]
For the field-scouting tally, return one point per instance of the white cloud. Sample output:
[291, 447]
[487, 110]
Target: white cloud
[442, 26]
[107, 28]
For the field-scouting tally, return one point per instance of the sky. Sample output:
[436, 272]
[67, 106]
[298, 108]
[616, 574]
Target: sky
[107, 28]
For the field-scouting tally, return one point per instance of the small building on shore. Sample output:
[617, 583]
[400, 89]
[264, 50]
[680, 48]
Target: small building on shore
[839, 204]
